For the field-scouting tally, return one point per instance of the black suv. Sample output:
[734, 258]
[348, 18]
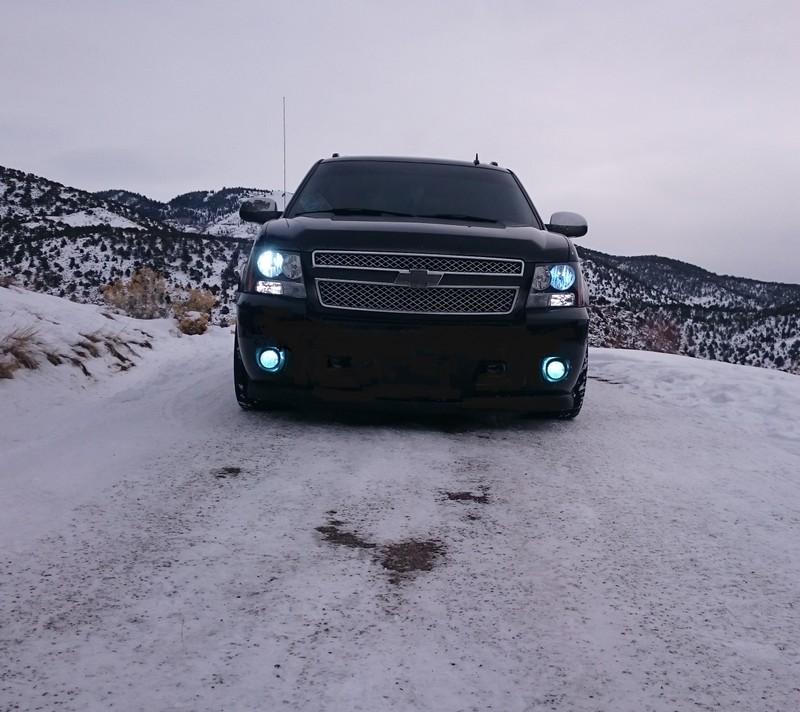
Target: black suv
[408, 282]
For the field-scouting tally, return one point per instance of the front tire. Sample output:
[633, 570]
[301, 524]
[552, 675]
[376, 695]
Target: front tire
[577, 393]
[241, 380]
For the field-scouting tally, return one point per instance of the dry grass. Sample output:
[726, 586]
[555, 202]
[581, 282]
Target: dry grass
[23, 348]
[78, 363]
[7, 369]
[116, 342]
[18, 349]
[116, 353]
[54, 358]
[96, 343]
[87, 346]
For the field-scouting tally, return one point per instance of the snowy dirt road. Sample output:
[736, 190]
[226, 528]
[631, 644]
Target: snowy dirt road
[163, 550]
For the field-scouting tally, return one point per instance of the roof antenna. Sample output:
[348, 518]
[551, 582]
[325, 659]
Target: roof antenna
[284, 152]
[477, 162]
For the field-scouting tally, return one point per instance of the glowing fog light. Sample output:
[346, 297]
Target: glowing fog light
[562, 277]
[554, 369]
[271, 359]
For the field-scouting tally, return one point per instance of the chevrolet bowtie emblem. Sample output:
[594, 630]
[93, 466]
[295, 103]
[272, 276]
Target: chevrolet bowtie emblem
[418, 278]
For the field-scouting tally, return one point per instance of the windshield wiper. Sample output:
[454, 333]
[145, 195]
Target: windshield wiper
[357, 211]
[457, 216]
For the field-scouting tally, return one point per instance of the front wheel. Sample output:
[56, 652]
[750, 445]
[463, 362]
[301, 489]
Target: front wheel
[578, 393]
[241, 380]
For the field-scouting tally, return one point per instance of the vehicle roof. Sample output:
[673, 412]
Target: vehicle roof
[415, 159]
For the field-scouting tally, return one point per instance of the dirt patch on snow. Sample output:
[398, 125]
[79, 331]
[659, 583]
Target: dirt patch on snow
[412, 555]
[333, 534]
[468, 497]
[224, 472]
[402, 558]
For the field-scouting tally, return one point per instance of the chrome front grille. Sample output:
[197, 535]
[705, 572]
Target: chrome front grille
[448, 264]
[383, 297]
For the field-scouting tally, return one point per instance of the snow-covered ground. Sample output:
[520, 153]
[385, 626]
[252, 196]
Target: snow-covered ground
[161, 549]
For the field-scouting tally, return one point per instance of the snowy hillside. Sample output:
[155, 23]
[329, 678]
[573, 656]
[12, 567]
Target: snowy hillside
[35, 201]
[162, 549]
[214, 213]
[71, 243]
[656, 304]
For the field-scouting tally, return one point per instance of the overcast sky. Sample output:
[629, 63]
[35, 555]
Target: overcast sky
[673, 126]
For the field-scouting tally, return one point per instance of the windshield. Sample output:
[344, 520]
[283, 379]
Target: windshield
[414, 189]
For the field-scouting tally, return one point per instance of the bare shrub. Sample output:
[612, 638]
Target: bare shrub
[193, 323]
[143, 296]
[197, 300]
[194, 312]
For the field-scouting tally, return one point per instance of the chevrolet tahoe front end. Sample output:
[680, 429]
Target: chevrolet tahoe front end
[412, 283]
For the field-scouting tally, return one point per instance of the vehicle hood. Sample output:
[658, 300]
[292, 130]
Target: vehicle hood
[306, 234]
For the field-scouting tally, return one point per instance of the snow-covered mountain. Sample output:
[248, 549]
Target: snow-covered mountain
[160, 549]
[213, 213]
[71, 243]
[658, 304]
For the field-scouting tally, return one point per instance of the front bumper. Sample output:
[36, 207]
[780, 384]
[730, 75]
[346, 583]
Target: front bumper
[401, 363]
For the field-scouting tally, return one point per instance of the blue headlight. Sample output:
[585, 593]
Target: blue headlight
[270, 263]
[273, 264]
[562, 277]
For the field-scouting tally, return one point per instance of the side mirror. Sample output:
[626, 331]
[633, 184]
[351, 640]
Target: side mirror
[568, 224]
[259, 210]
